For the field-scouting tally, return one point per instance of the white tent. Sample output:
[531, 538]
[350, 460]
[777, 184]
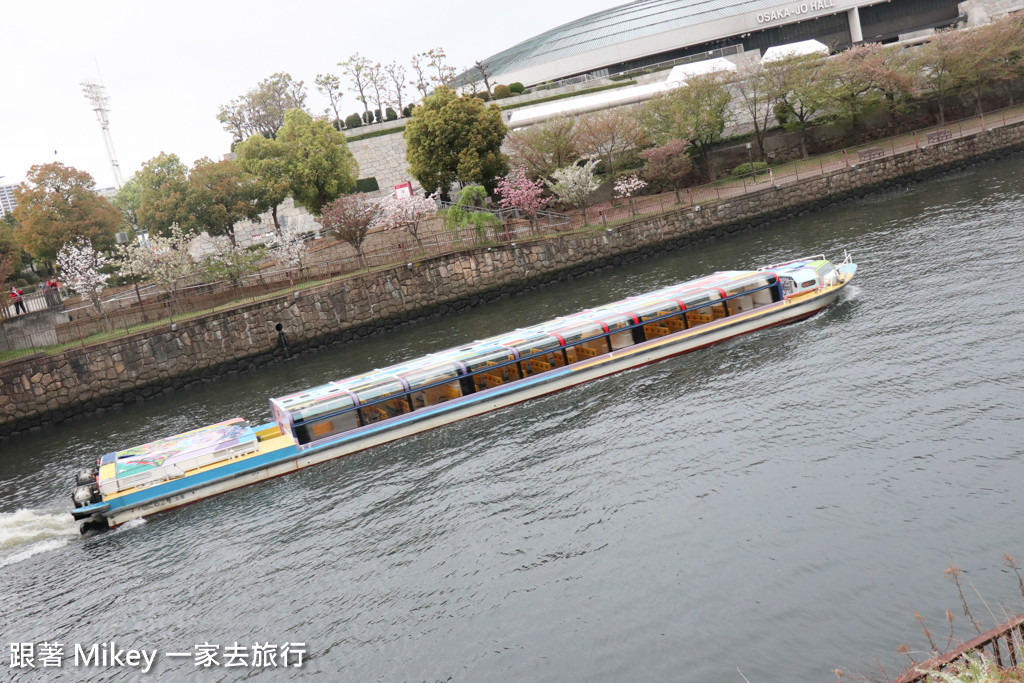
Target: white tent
[805, 47]
[682, 73]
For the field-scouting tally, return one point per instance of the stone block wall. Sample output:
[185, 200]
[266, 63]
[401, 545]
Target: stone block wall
[39, 391]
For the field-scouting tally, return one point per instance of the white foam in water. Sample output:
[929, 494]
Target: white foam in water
[29, 532]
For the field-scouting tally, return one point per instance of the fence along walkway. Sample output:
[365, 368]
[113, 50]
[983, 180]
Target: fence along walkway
[126, 314]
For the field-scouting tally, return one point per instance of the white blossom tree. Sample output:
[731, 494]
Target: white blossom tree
[627, 187]
[405, 213]
[231, 262]
[574, 184]
[164, 261]
[79, 266]
[289, 246]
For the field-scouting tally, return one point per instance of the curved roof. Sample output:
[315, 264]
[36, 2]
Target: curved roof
[637, 19]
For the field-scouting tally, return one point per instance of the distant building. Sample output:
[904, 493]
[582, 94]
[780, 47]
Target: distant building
[642, 33]
[7, 203]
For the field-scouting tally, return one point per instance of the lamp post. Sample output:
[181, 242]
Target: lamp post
[750, 160]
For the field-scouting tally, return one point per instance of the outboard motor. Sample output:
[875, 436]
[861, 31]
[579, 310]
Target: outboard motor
[86, 495]
[86, 476]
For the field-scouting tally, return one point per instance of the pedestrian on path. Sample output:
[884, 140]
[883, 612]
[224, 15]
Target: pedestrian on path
[19, 302]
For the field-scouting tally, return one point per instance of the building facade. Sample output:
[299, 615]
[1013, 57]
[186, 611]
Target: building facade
[646, 32]
[7, 198]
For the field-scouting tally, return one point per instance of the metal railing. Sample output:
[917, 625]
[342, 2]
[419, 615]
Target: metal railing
[1004, 644]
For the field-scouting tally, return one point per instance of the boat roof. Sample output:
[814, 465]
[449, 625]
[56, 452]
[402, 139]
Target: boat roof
[510, 345]
[205, 442]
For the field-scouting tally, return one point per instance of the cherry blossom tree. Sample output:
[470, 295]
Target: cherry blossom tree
[518, 192]
[165, 261]
[349, 218]
[80, 266]
[668, 164]
[574, 184]
[231, 262]
[289, 246]
[627, 187]
[405, 213]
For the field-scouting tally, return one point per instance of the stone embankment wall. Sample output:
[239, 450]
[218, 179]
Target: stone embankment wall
[38, 391]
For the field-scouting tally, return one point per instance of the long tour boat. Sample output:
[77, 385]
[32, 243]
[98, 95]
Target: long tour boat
[383, 405]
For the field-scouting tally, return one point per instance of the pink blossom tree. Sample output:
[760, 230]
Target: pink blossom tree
[518, 192]
[349, 218]
[668, 164]
[406, 213]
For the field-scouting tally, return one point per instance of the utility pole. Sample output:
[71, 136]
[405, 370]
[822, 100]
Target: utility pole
[97, 95]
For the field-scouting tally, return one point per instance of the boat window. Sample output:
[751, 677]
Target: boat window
[422, 394]
[702, 308]
[487, 357]
[372, 391]
[325, 427]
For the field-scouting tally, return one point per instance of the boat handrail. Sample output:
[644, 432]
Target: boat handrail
[773, 266]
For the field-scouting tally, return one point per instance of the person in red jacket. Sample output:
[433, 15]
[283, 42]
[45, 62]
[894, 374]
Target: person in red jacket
[19, 303]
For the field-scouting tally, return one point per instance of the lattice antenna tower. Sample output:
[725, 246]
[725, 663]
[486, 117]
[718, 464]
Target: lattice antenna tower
[97, 96]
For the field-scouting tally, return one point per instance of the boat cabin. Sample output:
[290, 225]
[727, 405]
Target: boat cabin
[338, 407]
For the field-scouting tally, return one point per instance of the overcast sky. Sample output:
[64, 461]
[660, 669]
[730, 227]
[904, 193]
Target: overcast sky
[168, 67]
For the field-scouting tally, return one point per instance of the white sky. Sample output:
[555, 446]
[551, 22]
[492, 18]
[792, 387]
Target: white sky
[168, 67]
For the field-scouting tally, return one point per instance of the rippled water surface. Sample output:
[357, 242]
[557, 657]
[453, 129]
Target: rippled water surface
[769, 509]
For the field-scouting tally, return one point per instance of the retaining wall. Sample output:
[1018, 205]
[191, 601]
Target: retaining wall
[39, 391]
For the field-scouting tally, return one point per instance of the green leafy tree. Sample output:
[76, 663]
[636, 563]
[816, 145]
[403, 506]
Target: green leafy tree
[163, 182]
[800, 93]
[318, 162]
[220, 194]
[58, 204]
[696, 112]
[455, 139]
[856, 77]
[128, 200]
[266, 161]
[758, 98]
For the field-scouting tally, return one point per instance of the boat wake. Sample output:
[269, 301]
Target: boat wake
[29, 532]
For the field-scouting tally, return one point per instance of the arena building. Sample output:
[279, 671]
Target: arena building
[647, 32]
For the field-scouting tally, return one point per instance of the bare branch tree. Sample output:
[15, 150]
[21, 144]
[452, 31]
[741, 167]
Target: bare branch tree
[356, 68]
[330, 86]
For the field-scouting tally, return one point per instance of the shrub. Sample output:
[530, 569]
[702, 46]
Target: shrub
[516, 88]
[353, 121]
[748, 168]
[501, 92]
[407, 110]
[367, 185]
[367, 117]
[377, 116]
[483, 95]
[390, 115]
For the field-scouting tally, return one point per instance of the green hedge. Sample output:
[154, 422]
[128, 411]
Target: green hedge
[376, 133]
[367, 185]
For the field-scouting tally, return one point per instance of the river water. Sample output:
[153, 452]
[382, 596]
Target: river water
[770, 509]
